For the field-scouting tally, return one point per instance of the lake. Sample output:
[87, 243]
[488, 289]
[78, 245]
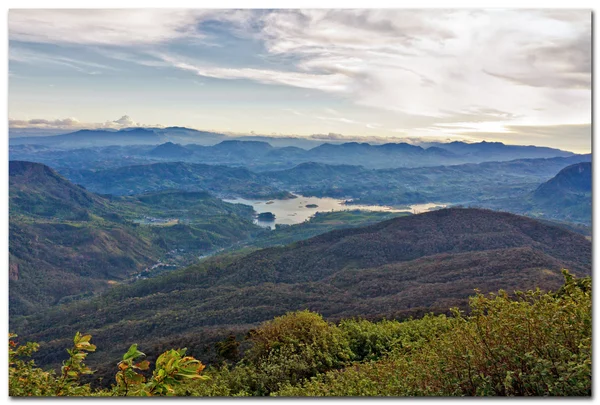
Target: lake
[297, 210]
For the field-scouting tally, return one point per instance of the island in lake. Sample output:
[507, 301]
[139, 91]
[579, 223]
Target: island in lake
[266, 216]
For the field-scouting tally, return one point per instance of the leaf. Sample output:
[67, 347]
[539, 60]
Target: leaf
[132, 352]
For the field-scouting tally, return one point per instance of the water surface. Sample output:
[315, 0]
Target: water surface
[295, 210]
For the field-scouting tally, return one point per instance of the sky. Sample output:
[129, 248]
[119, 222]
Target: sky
[514, 76]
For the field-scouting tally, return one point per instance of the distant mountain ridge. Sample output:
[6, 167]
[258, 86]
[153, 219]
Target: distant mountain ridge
[170, 150]
[576, 178]
[125, 136]
[215, 148]
[566, 197]
[222, 180]
[569, 191]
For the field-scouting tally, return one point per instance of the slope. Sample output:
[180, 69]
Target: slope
[66, 243]
[397, 268]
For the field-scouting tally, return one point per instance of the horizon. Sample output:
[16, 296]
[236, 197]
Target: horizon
[318, 139]
[520, 77]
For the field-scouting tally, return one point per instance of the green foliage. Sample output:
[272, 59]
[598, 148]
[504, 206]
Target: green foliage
[229, 349]
[294, 347]
[172, 367]
[25, 379]
[401, 268]
[532, 344]
[375, 340]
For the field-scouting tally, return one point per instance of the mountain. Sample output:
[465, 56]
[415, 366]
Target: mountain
[187, 135]
[566, 197]
[170, 150]
[97, 137]
[459, 184]
[402, 267]
[244, 148]
[37, 190]
[264, 153]
[497, 151]
[221, 180]
[125, 136]
[574, 179]
[66, 243]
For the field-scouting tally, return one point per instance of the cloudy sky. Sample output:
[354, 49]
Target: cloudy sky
[516, 76]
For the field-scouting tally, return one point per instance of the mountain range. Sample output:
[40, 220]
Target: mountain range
[183, 144]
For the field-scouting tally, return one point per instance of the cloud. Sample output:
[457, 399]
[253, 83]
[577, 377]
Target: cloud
[418, 72]
[125, 121]
[423, 62]
[326, 82]
[74, 124]
[572, 137]
[18, 54]
[116, 27]
[44, 123]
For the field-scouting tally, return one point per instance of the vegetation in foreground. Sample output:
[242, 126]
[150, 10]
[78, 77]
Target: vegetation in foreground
[532, 343]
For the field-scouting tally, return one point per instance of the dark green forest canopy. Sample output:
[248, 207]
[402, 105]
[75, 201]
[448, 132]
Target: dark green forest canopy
[397, 268]
[529, 343]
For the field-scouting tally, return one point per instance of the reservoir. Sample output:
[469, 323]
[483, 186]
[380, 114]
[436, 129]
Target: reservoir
[300, 209]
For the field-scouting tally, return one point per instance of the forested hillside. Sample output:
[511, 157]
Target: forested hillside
[222, 180]
[397, 268]
[532, 343]
[66, 243]
[565, 197]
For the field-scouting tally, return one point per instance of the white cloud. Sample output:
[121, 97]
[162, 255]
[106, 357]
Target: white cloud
[17, 54]
[424, 62]
[102, 27]
[425, 72]
[428, 62]
[326, 82]
[73, 124]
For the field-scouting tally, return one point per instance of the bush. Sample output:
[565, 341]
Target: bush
[294, 347]
[373, 340]
[533, 344]
[25, 379]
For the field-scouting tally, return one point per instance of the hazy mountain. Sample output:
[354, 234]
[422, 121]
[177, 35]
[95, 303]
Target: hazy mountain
[126, 136]
[396, 268]
[467, 183]
[170, 150]
[566, 197]
[488, 151]
[264, 153]
[96, 137]
[222, 180]
[574, 179]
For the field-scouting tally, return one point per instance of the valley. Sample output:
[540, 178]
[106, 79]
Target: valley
[176, 251]
[398, 268]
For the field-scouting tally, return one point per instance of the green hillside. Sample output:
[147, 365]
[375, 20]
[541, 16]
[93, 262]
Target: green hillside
[530, 343]
[66, 243]
[398, 268]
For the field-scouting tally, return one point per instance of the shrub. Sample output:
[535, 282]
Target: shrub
[532, 344]
[294, 347]
[25, 379]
